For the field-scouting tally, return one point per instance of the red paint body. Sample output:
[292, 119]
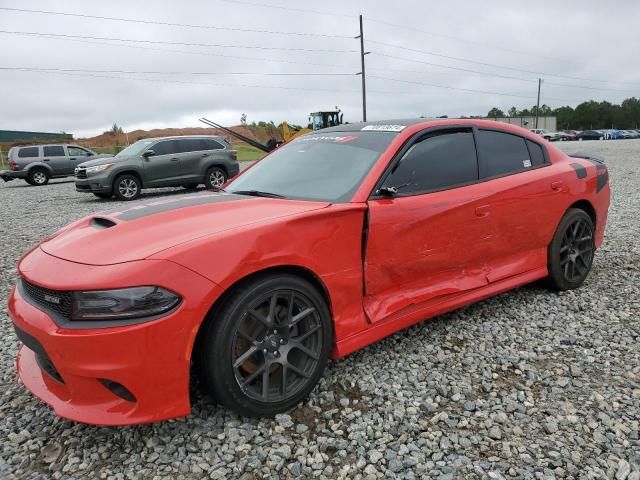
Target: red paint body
[423, 255]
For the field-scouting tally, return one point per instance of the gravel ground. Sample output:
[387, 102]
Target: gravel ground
[530, 384]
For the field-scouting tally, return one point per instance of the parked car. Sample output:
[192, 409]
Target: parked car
[38, 163]
[613, 134]
[590, 135]
[333, 241]
[159, 162]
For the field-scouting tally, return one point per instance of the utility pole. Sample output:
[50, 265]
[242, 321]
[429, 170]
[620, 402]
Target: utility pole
[538, 105]
[364, 88]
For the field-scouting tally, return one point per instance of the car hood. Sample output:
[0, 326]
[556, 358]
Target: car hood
[101, 160]
[142, 229]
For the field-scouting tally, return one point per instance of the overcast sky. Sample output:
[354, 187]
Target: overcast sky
[583, 43]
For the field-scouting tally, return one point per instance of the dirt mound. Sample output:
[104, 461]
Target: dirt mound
[260, 134]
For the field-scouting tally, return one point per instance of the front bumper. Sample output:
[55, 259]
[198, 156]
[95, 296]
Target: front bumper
[8, 175]
[81, 372]
[95, 184]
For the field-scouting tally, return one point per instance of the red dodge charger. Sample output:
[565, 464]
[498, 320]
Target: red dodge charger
[328, 244]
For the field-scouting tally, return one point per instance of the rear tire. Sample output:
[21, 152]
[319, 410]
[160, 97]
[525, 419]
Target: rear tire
[215, 177]
[126, 187]
[571, 251]
[265, 348]
[38, 177]
[103, 195]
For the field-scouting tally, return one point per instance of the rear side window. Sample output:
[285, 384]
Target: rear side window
[166, 147]
[53, 151]
[28, 152]
[210, 144]
[186, 145]
[502, 153]
[535, 153]
[440, 161]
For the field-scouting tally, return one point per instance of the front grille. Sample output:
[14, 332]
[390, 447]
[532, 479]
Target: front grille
[81, 173]
[56, 300]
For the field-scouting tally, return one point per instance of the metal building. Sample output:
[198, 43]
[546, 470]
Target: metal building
[548, 123]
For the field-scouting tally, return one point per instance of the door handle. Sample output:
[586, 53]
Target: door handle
[73, 158]
[483, 210]
[205, 154]
[45, 159]
[174, 159]
[557, 186]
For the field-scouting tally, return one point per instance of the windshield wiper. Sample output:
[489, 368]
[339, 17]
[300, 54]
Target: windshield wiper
[258, 193]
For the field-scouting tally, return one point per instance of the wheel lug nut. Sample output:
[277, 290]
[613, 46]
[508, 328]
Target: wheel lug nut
[281, 341]
[264, 351]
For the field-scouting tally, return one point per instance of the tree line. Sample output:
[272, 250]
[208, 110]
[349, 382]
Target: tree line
[586, 116]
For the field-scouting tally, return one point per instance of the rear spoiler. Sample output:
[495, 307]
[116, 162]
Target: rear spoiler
[587, 156]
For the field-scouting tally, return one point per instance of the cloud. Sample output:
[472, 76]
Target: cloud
[585, 40]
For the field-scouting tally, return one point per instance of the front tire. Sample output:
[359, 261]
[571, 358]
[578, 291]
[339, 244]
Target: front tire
[38, 177]
[215, 178]
[126, 187]
[265, 349]
[571, 251]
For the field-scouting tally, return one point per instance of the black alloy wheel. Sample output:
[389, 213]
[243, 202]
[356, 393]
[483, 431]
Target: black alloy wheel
[267, 347]
[572, 250]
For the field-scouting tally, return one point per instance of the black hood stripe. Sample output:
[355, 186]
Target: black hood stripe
[166, 205]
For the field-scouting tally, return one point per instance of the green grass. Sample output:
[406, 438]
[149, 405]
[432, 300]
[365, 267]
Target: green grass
[247, 153]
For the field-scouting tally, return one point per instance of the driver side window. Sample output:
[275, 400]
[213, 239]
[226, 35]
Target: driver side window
[440, 161]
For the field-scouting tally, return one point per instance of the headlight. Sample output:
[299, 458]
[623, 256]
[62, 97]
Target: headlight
[99, 168]
[122, 303]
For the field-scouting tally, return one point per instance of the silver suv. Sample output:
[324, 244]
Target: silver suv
[38, 163]
[159, 162]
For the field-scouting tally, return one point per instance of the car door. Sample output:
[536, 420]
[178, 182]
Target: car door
[162, 168]
[524, 185]
[191, 153]
[56, 157]
[430, 239]
[77, 155]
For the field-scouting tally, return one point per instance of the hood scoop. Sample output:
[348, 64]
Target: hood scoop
[101, 223]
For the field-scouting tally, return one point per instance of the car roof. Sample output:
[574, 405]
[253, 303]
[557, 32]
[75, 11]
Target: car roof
[175, 137]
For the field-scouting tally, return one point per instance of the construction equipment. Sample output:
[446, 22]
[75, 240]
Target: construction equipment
[317, 121]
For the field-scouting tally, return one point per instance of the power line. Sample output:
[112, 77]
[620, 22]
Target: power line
[173, 24]
[449, 87]
[208, 54]
[163, 80]
[458, 39]
[162, 42]
[485, 64]
[288, 9]
[152, 72]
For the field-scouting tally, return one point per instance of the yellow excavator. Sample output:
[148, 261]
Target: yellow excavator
[317, 121]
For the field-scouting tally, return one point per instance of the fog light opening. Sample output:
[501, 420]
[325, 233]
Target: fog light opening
[117, 389]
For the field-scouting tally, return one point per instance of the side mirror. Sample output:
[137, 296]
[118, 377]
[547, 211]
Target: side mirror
[148, 153]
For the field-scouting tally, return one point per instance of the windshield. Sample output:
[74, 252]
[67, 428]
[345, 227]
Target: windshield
[135, 148]
[322, 166]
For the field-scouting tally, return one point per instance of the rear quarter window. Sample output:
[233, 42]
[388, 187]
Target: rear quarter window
[210, 144]
[536, 153]
[28, 152]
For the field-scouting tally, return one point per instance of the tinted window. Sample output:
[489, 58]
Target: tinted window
[54, 151]
[78, 152]
[209, 144]
[166, 147]
[502, 153]
[535, 153]
[442, 160]
[322, 166]
[28, 152]
[185, 145]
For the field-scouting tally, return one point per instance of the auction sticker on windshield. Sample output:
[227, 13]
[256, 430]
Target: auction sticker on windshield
[384, 128]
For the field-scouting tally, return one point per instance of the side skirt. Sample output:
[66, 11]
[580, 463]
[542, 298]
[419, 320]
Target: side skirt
[418, 313]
